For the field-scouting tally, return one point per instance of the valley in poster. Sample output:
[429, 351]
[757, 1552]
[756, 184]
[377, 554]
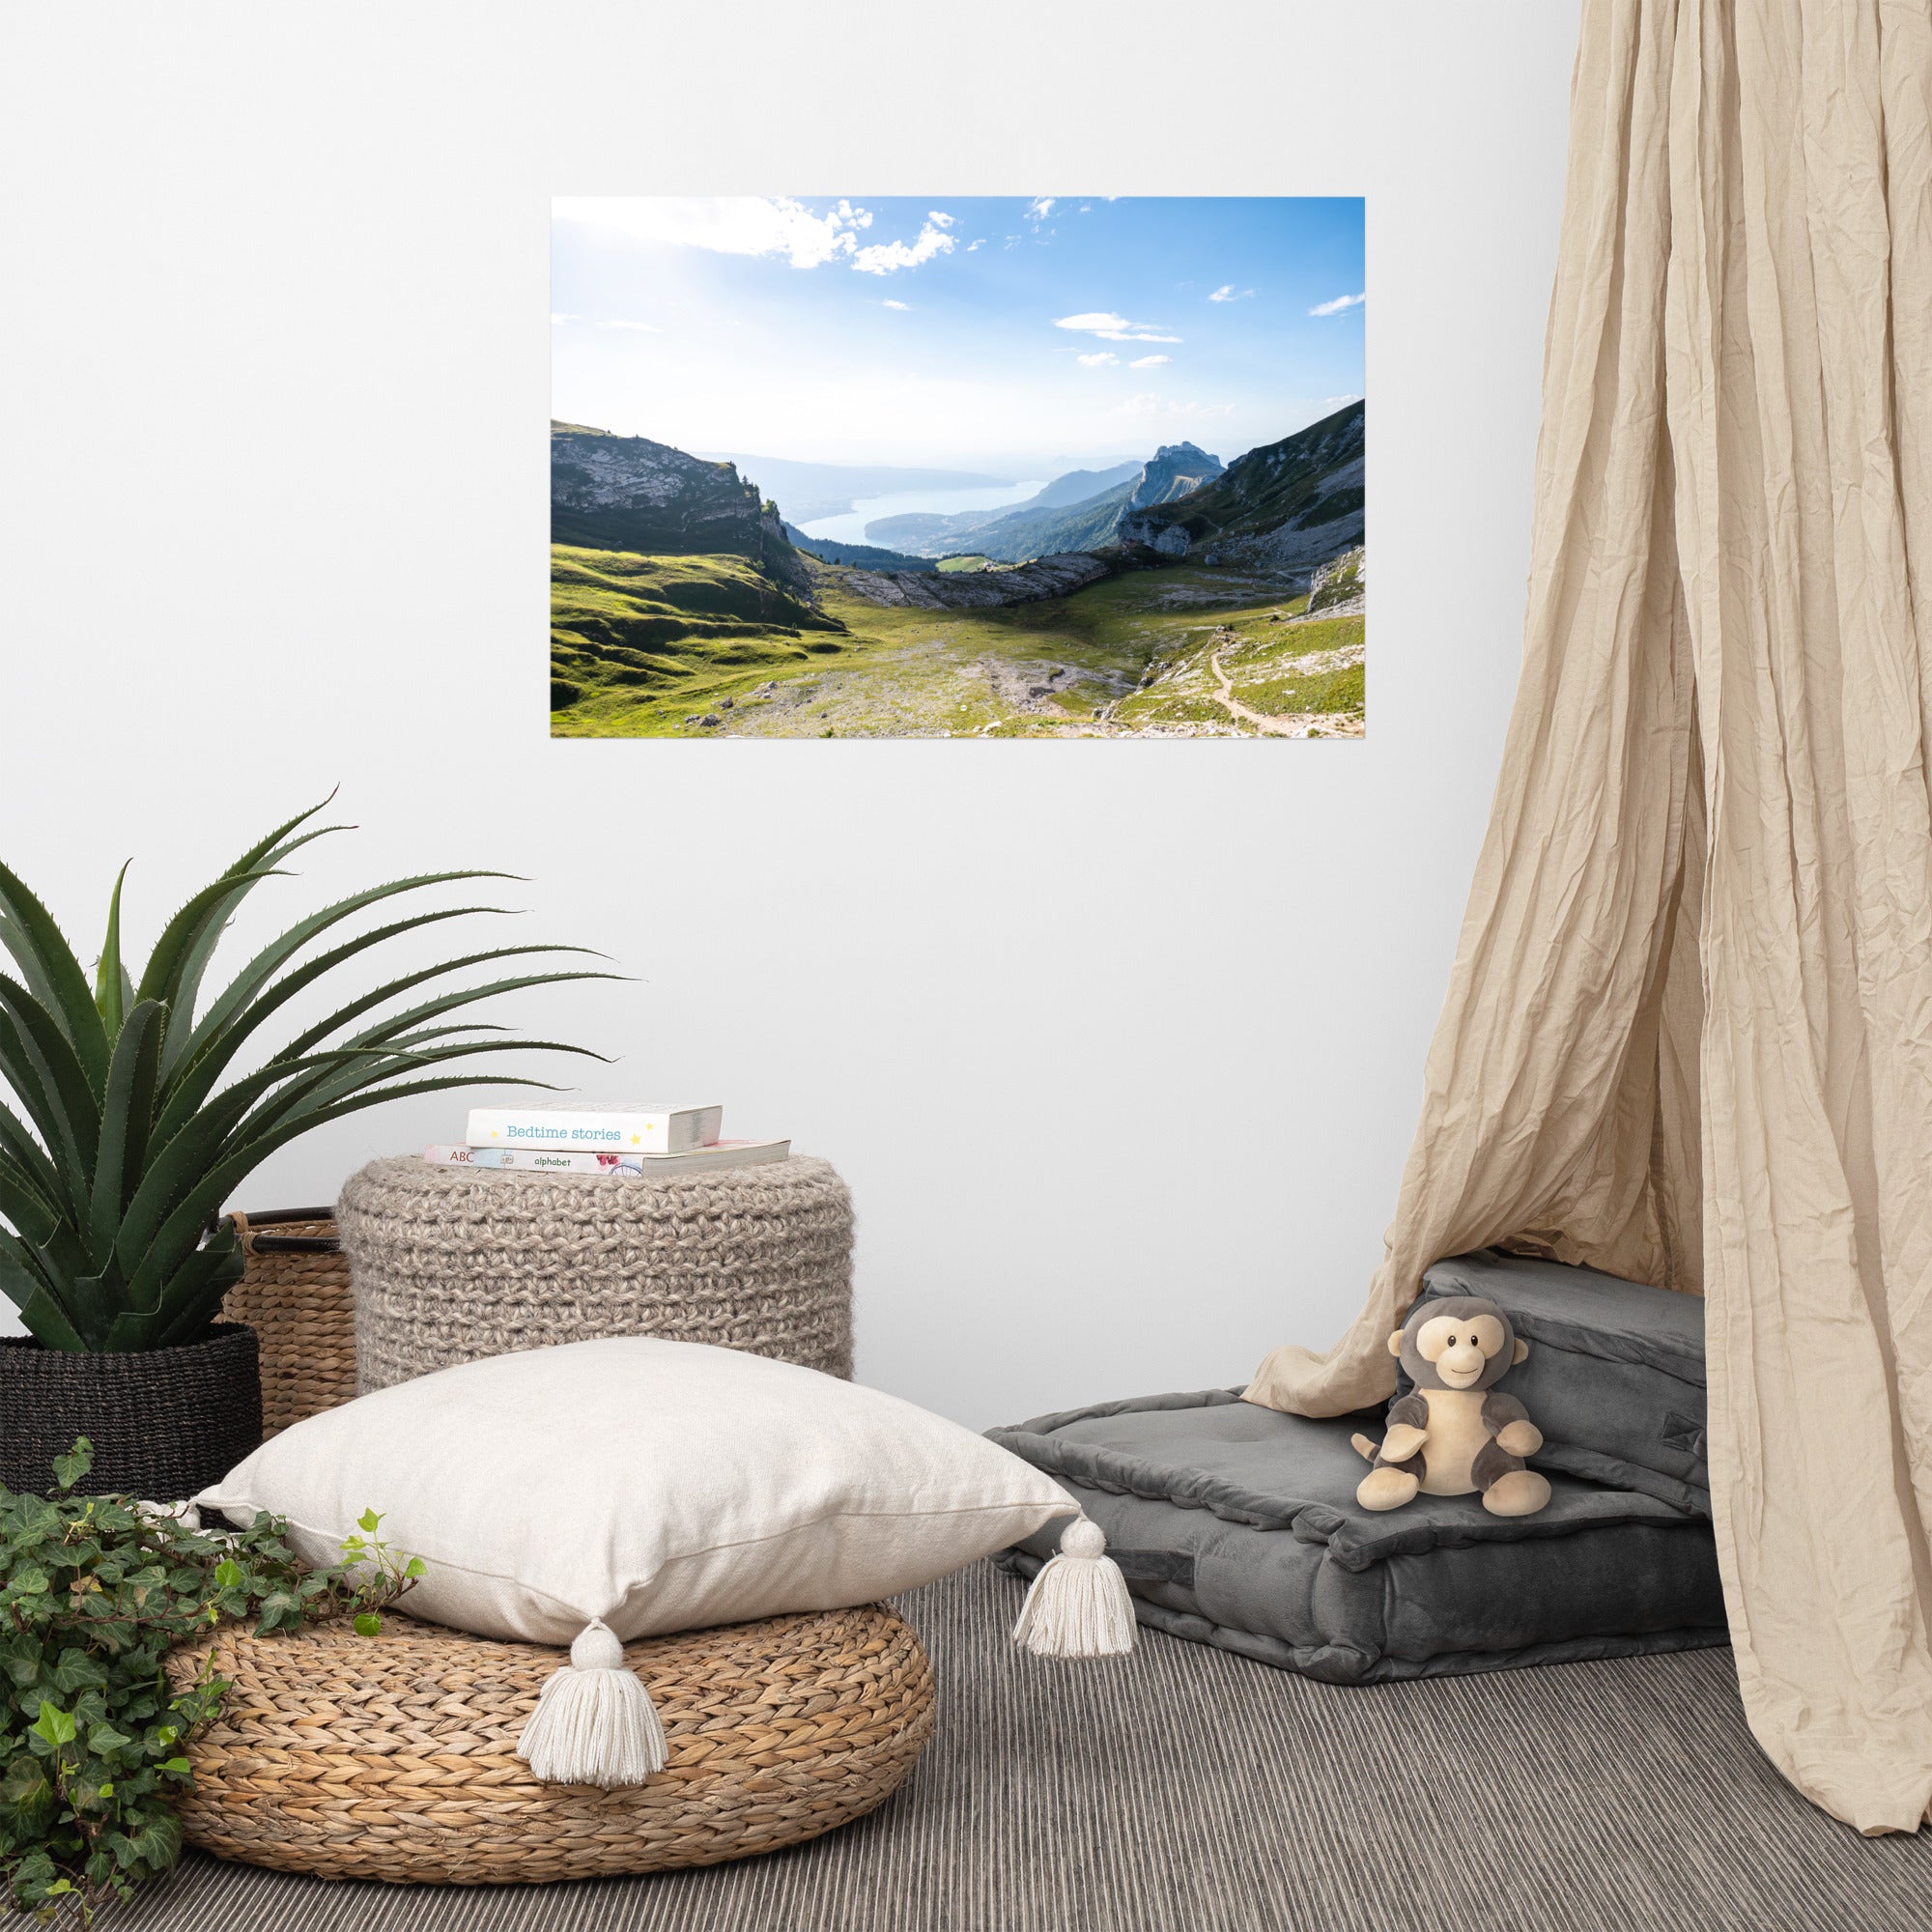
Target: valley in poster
[945, 468]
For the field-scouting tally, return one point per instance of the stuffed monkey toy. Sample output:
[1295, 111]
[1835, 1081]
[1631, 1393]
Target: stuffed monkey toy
[1456, 1433]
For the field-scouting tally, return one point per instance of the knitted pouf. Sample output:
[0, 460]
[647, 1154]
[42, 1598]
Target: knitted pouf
[454, 1264]
[394, 1756]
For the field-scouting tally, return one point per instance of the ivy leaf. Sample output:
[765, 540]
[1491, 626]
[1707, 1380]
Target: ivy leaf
[35, 1876]
[53, 1724]
[155, 1845]
[176, 1767]
[24, 1783]
[104, 1739]
[85, 1795]
[228, 1574]
[69, 1468]
[415, 1567]
[369, 1522]
[368, 1624]
[74, 1670]
[21, 1661]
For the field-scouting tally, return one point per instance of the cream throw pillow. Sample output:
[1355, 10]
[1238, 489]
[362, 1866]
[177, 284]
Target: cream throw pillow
[642, 1485]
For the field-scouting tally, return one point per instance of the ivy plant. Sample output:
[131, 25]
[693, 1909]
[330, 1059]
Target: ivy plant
[95, 1591]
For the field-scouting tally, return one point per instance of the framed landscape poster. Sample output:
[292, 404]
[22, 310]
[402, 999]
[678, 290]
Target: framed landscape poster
[1067, 467]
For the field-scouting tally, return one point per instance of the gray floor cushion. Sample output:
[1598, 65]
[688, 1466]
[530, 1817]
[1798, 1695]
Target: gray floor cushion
[1615, 1375]
[1238, 1526]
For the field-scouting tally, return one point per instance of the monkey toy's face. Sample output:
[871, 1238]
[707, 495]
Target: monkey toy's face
[1457, 1342]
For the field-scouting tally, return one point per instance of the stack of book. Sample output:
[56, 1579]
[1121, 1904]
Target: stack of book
[603, 1140]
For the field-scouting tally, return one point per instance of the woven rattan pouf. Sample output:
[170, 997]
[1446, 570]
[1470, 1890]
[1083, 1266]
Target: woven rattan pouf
[451, 1263]
[394, 1756]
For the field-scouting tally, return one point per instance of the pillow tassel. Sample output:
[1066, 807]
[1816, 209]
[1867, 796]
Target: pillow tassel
[1078, 1604]
[594, 1722]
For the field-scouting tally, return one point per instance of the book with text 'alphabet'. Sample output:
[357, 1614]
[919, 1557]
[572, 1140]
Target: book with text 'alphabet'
[557, 1160]
[621, 1129]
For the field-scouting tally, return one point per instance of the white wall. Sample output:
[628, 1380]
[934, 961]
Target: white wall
[1118, 1044]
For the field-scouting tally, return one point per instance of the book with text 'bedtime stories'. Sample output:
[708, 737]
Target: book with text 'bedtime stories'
[540, 1160]
[597, 1129]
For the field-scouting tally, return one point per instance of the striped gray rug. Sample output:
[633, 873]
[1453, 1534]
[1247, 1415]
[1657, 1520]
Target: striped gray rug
[1188, 1791]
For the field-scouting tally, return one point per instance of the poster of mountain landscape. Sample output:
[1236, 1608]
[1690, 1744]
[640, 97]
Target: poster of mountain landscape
[1066, 467]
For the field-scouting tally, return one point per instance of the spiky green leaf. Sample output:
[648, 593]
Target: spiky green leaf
[47, 965]
[447, 1003]
[322, 1087]
[34, 1222]
[181, 1154]
[25, 1281]
[214, 1046]
[264, 857]
[32, 1180]
[50, 1072]
[272, 958]
[126, 1114]
[110, 977]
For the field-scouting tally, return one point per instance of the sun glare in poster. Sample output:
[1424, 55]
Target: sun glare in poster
[851, 466]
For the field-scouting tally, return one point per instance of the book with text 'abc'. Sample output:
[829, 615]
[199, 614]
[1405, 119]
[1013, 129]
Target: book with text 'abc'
[542, 1160]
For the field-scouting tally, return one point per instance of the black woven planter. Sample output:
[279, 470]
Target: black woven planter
[164, 1423]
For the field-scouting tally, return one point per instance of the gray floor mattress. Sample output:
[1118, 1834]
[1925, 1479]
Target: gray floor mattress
[1237, 1526]
[1615, 1375]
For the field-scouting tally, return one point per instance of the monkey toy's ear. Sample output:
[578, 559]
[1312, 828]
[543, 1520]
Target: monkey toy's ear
[1395, 1343]
[1521, 1353]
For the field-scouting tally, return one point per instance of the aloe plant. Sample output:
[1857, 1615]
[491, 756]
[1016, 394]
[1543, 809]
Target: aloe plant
[123, 1141]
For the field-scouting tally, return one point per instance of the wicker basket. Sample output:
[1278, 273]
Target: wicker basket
[394, 1756]
[296, 1296]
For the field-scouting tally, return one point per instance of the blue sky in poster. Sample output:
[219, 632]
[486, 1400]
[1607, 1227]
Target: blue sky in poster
[981, 333]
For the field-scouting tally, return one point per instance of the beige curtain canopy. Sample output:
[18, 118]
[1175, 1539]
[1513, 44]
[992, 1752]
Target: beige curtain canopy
[1689, 1033]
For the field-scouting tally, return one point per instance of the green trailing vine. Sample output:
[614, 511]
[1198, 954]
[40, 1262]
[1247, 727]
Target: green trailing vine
[95, 1591]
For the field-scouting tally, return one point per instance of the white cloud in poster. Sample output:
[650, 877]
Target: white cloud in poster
[1105, 358]
[1229, 293]
[887, 258]
[728, 224]
[1111, 327]
[1336, 306]
[902, 307]
[1148, 362]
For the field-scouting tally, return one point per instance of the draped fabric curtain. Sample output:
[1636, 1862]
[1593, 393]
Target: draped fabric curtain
[1688, 1032]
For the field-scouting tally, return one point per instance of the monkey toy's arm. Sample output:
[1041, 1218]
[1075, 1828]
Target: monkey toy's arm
[1507, 1421]
[1409, 1429]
